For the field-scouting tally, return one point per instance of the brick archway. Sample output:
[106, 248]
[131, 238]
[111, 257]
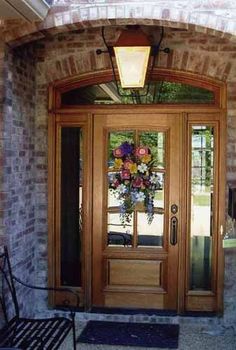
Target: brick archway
[209, 17]
[190, 52]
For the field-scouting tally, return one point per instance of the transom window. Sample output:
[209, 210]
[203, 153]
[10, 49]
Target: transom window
[159, 92]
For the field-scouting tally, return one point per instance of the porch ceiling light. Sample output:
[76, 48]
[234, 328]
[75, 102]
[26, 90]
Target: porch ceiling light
[132, 52]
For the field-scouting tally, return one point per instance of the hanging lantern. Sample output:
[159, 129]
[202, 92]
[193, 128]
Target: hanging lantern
[132, 51]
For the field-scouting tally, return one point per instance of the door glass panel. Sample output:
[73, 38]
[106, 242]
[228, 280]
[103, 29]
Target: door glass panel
[150, 235]
[156, 142]
[118, 235]
[112, 197]
[115, 140]
[133, 178]
[202, 186]
[159, 195]
[71, 205]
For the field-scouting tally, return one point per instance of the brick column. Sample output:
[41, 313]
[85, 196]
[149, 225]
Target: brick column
[17, 175]
[2, 93]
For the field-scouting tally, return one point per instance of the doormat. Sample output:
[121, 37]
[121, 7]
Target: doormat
[131, 334]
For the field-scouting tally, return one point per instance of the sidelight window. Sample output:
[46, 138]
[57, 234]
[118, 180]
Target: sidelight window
[71, 205]
[202, 207]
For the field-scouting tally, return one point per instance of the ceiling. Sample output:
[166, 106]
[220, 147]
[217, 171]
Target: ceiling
[30, 10]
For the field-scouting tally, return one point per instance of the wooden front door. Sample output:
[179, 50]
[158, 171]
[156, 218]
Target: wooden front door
[135, 264]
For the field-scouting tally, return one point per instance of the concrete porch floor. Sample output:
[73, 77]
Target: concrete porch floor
[192, 337]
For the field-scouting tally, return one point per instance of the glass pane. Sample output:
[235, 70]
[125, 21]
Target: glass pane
[159, 196]
[71, 205]
[156, 142]
[158, 92]
[170, 92]
[118, 235]
[201, 207]
[112, 197]
[150, 235]
[115, 139]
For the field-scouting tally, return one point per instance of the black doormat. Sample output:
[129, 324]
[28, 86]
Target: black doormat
[131, 334]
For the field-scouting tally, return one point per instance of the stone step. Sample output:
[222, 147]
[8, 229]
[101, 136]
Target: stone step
[152, 316]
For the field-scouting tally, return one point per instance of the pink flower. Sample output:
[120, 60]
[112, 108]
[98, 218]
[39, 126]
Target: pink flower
[116, 183]
[138, 182]
[128, 163]
[141, 151]
[147, 183]
[118, 152]
[125, 174]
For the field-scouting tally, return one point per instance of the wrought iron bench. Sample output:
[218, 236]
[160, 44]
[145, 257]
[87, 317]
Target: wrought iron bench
[25, 333]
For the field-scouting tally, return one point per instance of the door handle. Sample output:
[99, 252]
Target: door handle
[173, 230]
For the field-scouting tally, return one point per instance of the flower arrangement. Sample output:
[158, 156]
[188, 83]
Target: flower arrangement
[134, 180]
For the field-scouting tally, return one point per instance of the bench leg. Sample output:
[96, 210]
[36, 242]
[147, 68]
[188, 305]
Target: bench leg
[73, 329]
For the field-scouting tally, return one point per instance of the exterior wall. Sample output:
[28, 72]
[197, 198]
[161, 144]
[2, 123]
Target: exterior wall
[203, 43]
[230, 288]
[17, 195]
[2, 57]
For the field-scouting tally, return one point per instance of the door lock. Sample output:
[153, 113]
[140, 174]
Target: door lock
[174, 209]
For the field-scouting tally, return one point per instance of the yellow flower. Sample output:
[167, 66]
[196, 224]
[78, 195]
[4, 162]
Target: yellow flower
[133, 168]
[118, 163]
[146, 159]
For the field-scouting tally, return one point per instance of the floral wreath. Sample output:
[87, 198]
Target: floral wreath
[134, 180]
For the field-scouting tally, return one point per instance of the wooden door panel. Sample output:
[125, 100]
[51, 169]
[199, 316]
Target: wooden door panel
[134, 275]
[136, 300]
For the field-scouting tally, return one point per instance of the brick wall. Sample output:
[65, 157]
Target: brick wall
[201, 50]
[2, 57]
[18, 212]
[215, 17]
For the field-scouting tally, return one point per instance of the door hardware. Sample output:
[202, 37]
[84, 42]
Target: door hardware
[174, 208]
[173, 230]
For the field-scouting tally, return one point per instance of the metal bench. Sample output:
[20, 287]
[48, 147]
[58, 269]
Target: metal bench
[26, 333]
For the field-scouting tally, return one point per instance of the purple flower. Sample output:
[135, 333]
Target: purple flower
[126, 148]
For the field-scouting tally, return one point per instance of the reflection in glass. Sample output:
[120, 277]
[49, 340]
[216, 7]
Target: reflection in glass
[150, 235]
[112, 200]
[71, 205]
[115, 139]
[159, 196]
[201, 207]
[156, 142]
[118, 235]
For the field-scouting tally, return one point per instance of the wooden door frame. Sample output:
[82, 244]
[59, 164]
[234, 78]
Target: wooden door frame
[106, 290]
[55, 108]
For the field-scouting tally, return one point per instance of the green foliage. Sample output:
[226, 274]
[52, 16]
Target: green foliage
[166, 92]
